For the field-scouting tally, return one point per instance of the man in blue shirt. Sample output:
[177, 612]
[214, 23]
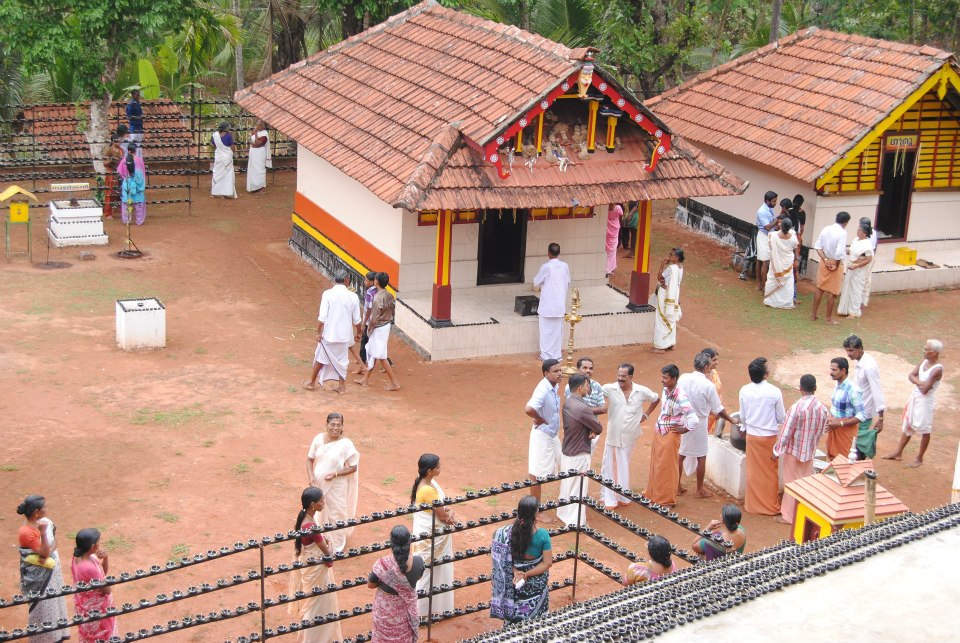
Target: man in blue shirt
[544, 409]
[135, 117]
[766, 221]
[846, 410]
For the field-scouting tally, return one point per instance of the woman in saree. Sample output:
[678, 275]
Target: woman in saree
[257, 157]
[426, 490]
[90, 563]
[40, 568]
[223, 182]
[783, 258]
[395, 618]
[860, 258]
[309, 576]
[332, 463]
[614, 214]
[667, 304]
[729, 529]
[522, 557]
[660, 563]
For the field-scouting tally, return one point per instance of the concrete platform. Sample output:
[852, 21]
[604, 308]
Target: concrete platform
[484, 322]
[890, 277]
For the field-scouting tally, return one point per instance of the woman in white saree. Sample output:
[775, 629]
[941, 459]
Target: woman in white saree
[257, 157]
[783, 257]
[332, 465]
[859, 263]
[223, 182]
[667, 303]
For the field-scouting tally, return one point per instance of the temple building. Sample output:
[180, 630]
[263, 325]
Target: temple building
[449, 151]
[868, 126]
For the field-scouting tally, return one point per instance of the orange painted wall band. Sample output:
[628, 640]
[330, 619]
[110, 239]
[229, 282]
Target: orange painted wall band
[338, 232]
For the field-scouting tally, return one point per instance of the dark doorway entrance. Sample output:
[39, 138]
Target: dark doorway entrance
[896, 186]
[503, 243]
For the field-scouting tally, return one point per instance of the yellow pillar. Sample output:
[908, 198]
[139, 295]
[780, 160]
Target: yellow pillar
[592, 126]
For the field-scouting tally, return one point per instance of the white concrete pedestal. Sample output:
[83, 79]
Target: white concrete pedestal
[141, 323]
[727, 467]
[79, 225]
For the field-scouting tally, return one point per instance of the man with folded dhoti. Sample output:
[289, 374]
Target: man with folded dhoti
[552, 280]
[705, 401]
[761, 413]
[625, 400]
[867, 379]
[676, 418]
[831, 246]
[580, 427]
[378, 331]
[846, 411]
[338, 327]
[797, 444]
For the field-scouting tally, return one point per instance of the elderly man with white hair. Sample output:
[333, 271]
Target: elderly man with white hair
[918, 415]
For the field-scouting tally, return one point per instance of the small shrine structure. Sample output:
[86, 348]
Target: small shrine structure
[449, 151]
[835, 499]
[852, 123]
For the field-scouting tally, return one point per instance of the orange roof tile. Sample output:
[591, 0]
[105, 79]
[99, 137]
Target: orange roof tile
[403, 106]
[839, 493]
[801, 103]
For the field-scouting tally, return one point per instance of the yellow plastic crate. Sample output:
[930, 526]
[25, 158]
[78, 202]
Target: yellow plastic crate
[905, 256]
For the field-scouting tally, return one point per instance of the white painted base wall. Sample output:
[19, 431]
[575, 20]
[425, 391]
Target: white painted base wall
[727, 467]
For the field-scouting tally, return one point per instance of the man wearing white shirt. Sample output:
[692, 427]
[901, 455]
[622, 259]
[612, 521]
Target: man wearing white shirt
[705, 400]
[552, 280]
[867, 379]
[544, 409]
[338, 327]
[831, 246]
[761, 413]
[625, 408]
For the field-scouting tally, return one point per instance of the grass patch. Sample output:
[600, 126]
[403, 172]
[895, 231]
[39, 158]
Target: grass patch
[297, 362]
[9, 467]
[117, 543]
[293, 389]
[242, 468]
[258, 460]
[207, 444]
[160, 484]
[389, 480]
[492, 501]
[175, 417]
[468, 489]
[178, 551]
[200, 350]
[166, 516]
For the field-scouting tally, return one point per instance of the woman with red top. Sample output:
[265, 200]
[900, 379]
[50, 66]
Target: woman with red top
[313, 573]
[90, 563]
[40, 568]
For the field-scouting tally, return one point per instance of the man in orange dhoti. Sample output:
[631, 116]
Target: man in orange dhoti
[676, 418]
[846, 411]
[831, 246]
[761, 411]
[806, 422]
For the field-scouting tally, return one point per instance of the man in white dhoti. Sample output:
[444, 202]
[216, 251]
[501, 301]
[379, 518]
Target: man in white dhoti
[378, 330]
[667, 299]
[223, 182]
[552, 280]
[704, 399]
[257, 158]
[544, 409]
[338, 327]
[625, 407]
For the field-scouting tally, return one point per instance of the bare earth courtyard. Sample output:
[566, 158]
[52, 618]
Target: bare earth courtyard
[186, 449]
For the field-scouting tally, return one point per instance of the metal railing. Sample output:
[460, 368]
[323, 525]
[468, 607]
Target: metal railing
[261, 571]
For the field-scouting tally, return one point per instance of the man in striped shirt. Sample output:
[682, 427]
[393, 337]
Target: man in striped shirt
[806, 423]
[677, 417]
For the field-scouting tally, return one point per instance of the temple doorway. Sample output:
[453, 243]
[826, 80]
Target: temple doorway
[896, 186]
[503, 242]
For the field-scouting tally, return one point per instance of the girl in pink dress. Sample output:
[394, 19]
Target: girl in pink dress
[90, 563]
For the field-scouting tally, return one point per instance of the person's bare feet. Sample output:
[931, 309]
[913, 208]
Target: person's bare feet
[657, 350]
[914, 464]
[308, 385]
[813, 318]
[391, 387]
[892, 456]
[360, 381]
[340, 390]
[832, 322]
[703, 493]
[681, 491]
[779, 518]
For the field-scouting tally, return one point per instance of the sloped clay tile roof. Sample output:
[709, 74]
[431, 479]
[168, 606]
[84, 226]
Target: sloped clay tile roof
[843, 501]
[396, 106]
[799, 104]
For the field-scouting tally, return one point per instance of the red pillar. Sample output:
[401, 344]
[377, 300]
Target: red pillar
[640, 277]
[440, 310]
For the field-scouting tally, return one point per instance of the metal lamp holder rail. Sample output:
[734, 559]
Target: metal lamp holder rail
[265, 571]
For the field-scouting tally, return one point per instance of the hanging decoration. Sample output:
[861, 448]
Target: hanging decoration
[585, 78]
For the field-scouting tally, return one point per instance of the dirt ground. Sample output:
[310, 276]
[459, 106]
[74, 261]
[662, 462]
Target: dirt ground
[186, 449]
